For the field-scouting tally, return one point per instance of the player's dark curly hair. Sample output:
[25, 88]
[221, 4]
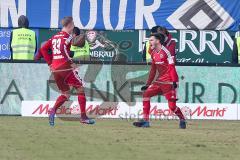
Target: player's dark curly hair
[159, 36]
[163, 30]
[160, 29]
[76, 31]
[155, 29]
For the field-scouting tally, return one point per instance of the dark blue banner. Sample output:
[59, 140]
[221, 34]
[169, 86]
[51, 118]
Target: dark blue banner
[125, 14]
[5, 42]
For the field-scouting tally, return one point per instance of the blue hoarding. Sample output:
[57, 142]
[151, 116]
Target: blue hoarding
[125, 14]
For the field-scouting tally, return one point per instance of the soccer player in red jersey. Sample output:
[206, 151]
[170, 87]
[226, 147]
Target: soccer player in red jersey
[169, 43]
[63, 69]
[163, 63]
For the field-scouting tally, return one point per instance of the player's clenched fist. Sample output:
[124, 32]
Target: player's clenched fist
[175, 85]
[143, 88]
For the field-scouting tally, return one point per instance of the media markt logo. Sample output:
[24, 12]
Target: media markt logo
[200, 14]
[203, 111]
[186, 111]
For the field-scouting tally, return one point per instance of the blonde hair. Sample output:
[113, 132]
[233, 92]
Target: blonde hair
[66, 21]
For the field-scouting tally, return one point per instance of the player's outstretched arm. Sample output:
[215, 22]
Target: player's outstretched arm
[152, 74]
[173, 73]
[44, 52]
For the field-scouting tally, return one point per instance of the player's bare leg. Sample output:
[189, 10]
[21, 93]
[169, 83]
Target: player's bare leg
[59, 102]
[82, 103]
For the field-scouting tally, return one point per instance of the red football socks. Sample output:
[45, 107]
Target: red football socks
[146, 110]
[60, 100]
[82, 104]
[172, 105]
[178, 112]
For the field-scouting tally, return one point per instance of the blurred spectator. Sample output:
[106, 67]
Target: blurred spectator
[80, 53]
[23, 42]
[236, 47]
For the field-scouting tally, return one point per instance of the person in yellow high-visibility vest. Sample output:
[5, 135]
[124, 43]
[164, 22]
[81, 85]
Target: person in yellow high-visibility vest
[80, 53]
[146, 55]
[23, 42]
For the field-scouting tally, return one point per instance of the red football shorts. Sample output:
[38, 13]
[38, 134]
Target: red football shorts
[166, 90]
[66, 79]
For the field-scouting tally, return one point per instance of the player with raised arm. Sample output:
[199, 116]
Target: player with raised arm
[165, 84]
[63, 68]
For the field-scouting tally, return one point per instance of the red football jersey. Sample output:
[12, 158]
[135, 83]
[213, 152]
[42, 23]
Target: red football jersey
[163, 62]
[170, 44]
[60, 45]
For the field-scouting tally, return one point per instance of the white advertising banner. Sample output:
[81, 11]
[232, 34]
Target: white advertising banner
[210, 111]
[72, 109]
[190, 110]
[124, 110]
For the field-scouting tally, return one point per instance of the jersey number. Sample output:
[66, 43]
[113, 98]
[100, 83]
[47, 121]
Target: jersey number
[56, 46]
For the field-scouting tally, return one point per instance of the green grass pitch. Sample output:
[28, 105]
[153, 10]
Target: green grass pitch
[33, 139]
